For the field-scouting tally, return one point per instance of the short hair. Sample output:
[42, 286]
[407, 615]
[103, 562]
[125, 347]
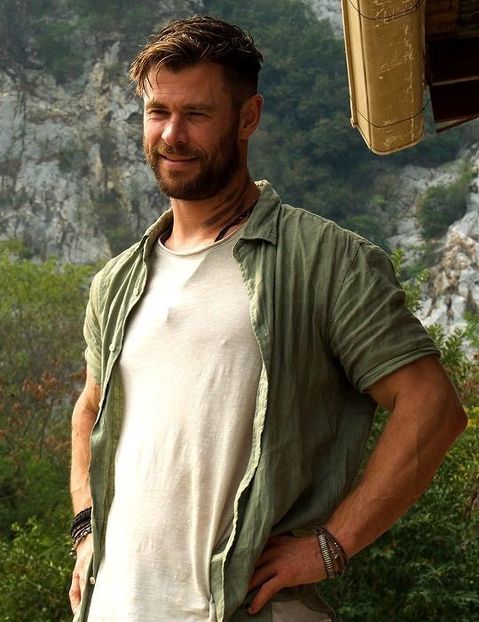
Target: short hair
[202, 38]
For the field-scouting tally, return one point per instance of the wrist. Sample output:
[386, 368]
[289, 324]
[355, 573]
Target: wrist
[334, 557]
[81, 528]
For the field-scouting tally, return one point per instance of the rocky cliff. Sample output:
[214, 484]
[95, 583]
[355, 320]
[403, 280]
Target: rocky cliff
[452, 289]
[73, 182]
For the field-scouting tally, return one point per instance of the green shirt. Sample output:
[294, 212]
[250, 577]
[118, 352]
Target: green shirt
[330, 320]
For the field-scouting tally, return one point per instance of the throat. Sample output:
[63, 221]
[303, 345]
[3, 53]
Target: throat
[238, 220]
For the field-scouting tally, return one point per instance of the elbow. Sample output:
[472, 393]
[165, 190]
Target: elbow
[456, 419]
[461, 420]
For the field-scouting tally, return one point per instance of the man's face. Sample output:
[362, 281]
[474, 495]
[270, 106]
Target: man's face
[191, 131]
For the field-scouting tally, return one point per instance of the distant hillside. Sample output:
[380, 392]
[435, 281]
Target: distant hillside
[73, 182]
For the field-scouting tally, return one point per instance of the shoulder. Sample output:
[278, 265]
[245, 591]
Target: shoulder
[115, 269]
[324, 240]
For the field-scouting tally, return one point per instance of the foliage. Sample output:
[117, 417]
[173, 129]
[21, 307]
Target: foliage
[462, 367]
[426, 566]
[58, 46]
[436, 149]
[36, 570]
[441, 205]
[412, 286]
[305, 145]
[41, 310]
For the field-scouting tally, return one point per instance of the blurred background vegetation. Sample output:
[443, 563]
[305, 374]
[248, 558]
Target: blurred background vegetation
[427, 566]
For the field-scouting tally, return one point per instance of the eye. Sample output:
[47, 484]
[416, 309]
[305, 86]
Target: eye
[157, 113]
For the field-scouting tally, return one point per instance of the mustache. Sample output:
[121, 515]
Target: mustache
[180, 151]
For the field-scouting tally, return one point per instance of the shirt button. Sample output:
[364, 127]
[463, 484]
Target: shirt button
[92, 580]
[111, 347]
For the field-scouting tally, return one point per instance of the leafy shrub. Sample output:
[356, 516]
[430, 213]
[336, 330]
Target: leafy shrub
[441, 205]
[36, 569]
[41, 311]
[59, 47]
[426, 566]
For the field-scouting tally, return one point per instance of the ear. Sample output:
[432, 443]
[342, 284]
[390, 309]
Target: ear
[250, 115]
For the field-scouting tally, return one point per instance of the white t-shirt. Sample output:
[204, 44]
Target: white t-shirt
[190, 366]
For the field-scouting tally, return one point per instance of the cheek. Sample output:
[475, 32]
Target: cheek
[151, 133]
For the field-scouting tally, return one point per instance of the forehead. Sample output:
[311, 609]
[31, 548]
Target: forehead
[204, 81]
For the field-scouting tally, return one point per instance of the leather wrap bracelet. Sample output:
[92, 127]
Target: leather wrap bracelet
[334, 556]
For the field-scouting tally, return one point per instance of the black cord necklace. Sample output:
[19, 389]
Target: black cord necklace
[236, 221]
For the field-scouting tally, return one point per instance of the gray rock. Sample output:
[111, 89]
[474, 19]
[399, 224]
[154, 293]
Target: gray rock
[73, 181]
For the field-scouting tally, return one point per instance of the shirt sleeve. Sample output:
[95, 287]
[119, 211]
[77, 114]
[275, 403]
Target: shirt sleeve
[92, 332]
[372, 333]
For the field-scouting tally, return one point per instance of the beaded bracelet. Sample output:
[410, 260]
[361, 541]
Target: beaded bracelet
[79, 538]
[83, 517]
[80, 528]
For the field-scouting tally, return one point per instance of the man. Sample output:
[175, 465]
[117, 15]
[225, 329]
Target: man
[235, 357]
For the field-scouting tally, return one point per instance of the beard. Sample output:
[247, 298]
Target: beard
[216, 169]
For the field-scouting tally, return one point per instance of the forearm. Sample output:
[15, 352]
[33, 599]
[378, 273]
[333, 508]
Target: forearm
[407, 455]
[426, 417]
[83, 419]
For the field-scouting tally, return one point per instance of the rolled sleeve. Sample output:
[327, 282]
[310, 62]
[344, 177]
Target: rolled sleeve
[372, 333]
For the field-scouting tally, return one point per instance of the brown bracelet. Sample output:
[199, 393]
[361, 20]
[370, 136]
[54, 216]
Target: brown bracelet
[334, 556]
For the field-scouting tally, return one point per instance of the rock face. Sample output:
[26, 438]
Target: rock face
[453, 289]
[73, 182]
[453, 286]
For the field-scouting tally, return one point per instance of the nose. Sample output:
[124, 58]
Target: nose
[174, 131]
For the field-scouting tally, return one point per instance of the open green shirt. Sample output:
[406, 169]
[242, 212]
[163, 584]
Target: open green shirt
[330, 320]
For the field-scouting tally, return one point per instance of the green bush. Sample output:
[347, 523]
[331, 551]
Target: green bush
[36, 570]
[426, 566]
[441, 205]
[59, 47]
[41, 310]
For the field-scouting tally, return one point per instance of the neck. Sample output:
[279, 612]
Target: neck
[197, 223]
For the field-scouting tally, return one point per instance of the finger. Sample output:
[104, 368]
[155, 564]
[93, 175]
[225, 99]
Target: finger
[265, 557]
[266, 592]
[271, 550]
[260, 576]
[74, 594]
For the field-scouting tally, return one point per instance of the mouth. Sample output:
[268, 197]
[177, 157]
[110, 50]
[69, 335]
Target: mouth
[170, 158]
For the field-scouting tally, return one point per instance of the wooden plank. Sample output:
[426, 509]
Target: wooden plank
[441, 16]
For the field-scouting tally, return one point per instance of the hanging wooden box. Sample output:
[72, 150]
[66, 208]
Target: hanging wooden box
[384, 42]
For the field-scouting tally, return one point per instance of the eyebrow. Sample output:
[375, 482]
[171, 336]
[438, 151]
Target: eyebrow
[155, 104]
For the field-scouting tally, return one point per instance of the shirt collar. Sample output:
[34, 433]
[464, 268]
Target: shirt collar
[262, 224]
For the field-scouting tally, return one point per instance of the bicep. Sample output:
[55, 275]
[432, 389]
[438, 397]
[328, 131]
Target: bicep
[419, 383]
